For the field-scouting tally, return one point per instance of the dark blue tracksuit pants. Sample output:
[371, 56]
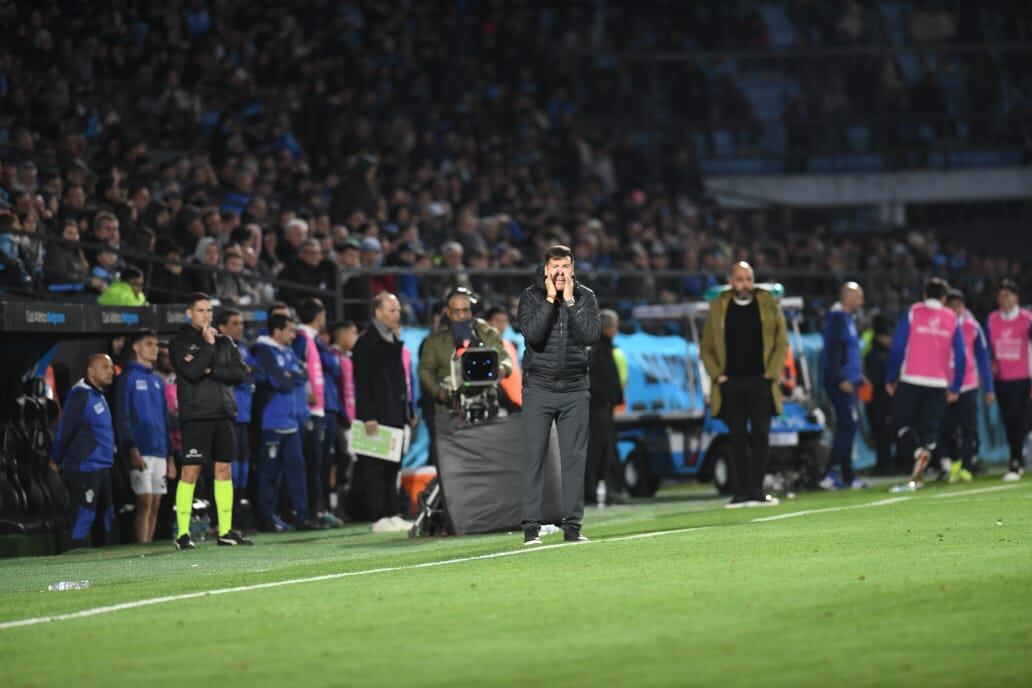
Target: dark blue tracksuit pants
[89, 493]
[281, 459]
[314, 451]
[846, 417]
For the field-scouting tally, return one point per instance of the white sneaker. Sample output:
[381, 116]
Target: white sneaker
[857, 484]
[384, 525]
[1012, 476]
[400, 524]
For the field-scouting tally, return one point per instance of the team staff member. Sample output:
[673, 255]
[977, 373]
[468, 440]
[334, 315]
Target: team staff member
[842, 375]
[381, 398]
[231, 324]
[559, 318]
[606, 395]
[142, 429]
[926, 368]
[744, 345]
[962, 415]
[208, 366]
[281, 374]
[84, 450]
[1010, 337]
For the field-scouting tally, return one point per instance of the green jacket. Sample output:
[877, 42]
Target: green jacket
[438, 349]
[775, 344]
[121, 294]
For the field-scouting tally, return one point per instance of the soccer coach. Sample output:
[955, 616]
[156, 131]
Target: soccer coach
[208, 366]
[559, 320]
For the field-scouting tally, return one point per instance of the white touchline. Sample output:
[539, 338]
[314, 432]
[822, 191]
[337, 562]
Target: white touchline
[795, 514]
[97, 611]
[980, 490]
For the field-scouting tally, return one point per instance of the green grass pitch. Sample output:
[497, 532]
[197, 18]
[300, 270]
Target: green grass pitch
[847, 589]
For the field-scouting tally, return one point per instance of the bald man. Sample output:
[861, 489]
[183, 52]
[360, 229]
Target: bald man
[84, 450]
[744, 346]
[842, 373]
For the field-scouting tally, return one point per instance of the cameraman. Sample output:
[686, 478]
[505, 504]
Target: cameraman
[559, 319]
[459, 332]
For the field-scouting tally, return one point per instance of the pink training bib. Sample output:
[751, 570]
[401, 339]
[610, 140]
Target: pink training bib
[1012, 349]
[929, 357]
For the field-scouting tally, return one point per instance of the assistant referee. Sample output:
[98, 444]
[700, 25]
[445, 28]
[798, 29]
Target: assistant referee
[208, 366]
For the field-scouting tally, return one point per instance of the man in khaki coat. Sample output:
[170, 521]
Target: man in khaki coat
[744, 345]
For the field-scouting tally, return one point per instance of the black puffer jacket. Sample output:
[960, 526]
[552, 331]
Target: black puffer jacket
[557, 336]
[206, 375]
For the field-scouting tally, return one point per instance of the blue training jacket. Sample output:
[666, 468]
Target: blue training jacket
[841, 356]
[331, 376]
[141, 414]
[85, 439]
[244, 392]
[282, 374]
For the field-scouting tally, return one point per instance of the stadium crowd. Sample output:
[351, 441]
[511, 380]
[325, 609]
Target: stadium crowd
[295, 145]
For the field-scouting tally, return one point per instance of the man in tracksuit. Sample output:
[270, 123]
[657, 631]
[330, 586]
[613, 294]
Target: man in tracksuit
[961, 417]
[143, 433]
[231, 324]
[283, 414]
[559, 319]
[84, 450]
[312, 315]
[927, 364]
[842, 374]
[1010, 336]
[208, 366]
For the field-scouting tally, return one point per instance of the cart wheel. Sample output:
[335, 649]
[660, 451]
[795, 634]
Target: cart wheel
[641, 482]
[720, 464]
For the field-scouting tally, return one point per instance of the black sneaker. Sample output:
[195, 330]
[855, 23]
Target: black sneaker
[573, 535]
[233, 538]
[532, 535]
[184, 542]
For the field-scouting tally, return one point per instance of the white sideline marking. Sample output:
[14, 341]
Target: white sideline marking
[794, 514]
[980, 490]
[97, 611]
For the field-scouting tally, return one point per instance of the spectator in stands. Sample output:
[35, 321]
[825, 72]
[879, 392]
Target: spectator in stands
[166, 279]
[381, 398]
[106, 267]
[206, 257]
[371, 258]
[14, 273]
[235, 286]
[142, 430]
[84, 451]
[311, 270]
[126, 290]
[295, 233]
[65, 268]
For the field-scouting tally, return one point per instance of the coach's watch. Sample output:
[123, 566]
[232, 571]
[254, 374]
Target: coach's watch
[571, 303]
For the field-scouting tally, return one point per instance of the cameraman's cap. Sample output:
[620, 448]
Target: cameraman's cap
[462, 291]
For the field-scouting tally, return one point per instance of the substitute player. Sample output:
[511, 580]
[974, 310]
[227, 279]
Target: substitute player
[927, 364]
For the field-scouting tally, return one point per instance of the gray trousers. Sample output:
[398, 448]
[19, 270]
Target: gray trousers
[569, 411]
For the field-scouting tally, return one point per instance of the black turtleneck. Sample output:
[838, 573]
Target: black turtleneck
[743, 338]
